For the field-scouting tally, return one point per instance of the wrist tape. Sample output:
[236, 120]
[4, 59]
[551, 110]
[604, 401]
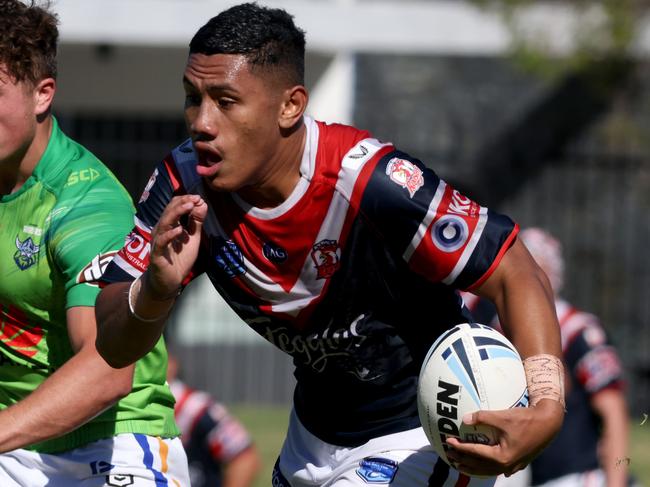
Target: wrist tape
[545, 378]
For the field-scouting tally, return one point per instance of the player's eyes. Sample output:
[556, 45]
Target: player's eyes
[192, 99]
[225, 102]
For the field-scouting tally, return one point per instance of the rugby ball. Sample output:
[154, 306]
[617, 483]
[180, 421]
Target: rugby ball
[469, 367]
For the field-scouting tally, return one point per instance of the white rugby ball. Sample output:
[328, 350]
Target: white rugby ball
[469, 367]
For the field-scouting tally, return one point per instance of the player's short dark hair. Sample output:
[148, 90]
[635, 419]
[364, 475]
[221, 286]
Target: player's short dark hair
[28, 40]
[267, 37]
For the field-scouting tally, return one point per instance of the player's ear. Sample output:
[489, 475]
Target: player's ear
[44, 95]
[293, 107]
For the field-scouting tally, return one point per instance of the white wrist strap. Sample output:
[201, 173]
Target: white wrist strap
[131, 300]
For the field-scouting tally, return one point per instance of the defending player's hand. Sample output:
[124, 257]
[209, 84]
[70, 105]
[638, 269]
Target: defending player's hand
[175, 246]
[523, 433]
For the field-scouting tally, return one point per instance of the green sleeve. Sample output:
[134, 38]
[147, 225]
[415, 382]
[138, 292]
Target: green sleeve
[89, 224]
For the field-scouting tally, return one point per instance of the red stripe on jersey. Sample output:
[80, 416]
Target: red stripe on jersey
[428, 260]
[506, 245]
[353, 210]
[172, 172]
[463, 480]
[136, 250]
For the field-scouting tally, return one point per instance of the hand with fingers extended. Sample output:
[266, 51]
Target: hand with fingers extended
[522, 434]
[175, 246]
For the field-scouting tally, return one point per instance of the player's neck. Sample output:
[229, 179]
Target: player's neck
[15, 171]
[280, 182]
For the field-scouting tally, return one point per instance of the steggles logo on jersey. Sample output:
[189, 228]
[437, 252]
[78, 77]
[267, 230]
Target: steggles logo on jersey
[95, 268]
[449, 233]
[25, 256]
[326, 254]
[229, 257]
[406, 174]
[274, 253]
[316, 349]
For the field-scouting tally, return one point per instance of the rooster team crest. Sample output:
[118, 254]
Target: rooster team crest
[406, 174]
[327, 257]
[26, 254]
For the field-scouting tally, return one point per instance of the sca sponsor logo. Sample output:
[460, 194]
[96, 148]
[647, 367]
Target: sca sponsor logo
[27, 252]
[326, 255]
[95, 268]
[406, 174]
[82, 176]
[375, 470]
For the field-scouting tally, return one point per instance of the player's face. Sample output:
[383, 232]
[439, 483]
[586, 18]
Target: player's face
[232, 117]
[17, 118]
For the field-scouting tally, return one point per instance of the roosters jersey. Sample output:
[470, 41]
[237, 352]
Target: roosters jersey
[354, 275]
[211, 436]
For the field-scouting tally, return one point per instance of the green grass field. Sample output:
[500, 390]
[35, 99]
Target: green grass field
[268, 425]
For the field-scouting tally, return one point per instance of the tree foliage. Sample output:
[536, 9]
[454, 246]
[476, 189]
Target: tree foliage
[598, 30]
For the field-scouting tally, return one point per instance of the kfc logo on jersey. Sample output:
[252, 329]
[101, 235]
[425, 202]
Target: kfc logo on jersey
[462, 205]
[406, 174]
[449, 233]
[95, 268]
[326, 254]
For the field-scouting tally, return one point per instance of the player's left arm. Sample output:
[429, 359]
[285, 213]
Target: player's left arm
[611, 406]
[525, 304]
[242, 470]
[79, 390]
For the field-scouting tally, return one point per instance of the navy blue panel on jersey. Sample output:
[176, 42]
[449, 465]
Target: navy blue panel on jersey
[155, 199]
[394, 212]
[497, 231]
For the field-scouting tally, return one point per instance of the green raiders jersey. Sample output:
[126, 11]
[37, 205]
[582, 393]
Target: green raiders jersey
[57, 233]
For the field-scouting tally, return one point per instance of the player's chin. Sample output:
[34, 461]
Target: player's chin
[221, 184]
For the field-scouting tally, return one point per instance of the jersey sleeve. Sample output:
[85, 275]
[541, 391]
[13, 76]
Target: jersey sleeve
[225, 437]
[592, 360]
[440, 233]
[133, 258]
[87, 227]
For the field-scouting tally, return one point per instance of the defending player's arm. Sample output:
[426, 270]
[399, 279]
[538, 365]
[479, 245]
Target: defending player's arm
[78, 391]
[596, 365]
[524, 301]
[131, 314]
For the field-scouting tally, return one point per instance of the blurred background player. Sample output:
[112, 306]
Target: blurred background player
[220, 452]
[339, 249]
[67, 417]
[592, 446]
